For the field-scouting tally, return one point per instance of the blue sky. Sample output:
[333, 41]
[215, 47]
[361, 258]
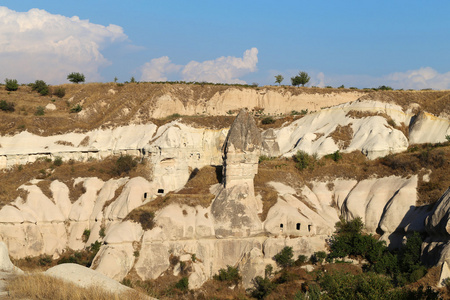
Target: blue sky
[404, 44]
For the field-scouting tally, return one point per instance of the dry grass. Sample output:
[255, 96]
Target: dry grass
[342, 136]
[355, 165]
[39, 286]
[133, 103]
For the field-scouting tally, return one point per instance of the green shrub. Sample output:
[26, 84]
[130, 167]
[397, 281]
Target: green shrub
[85, 236]
[284, 257]
[60, 92]
[268, 271]
[146, 220]
[40, 111]
[336, 156]
[318, 257]
[268, 120]
[183, 284]
[41, 87]
[262, 287]
[6, 106]
[11, 84]
[124, 164]
[447, 137]
[58, 161]
[301, 259]
[76, 77]
[76, 109]
[102, 233]
[302, 159]
[230, 275]
[45, 260]
[265, 158]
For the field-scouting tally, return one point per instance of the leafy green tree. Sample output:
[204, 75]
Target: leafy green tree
[279, 79]
[11, 84]
[262, 287]
[302, 78]
[230, 275]
[284, 257]
[76, 77]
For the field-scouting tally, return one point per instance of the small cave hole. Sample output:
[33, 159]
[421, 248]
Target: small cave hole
[298, 226]
[309, 228]
[160, 191]
[281, 225]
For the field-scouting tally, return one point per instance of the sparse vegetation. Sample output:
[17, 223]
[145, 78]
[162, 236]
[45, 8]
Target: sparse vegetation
[76, 109]
[40, 111]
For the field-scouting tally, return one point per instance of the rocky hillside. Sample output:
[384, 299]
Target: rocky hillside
[211, 189]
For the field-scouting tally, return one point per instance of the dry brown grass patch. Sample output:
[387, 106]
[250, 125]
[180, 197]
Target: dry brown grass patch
[342, 136]
[40, 286]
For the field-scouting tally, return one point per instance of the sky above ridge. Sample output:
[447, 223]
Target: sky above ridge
[403, 44]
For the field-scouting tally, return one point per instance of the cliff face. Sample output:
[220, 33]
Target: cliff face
[230, 229]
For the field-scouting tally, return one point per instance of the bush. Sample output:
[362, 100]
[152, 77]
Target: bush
[76, 109]
[40, 111]
[284, 257]
[301, 259]
[302, 159]
[230, 275]
[86, 234]
[146, 220]
[318, 257]
[41, 87]
[183, 284]
[336, 156]
[58, 161]
[268, 120]
[6, 106]
[262, 287]
[60, 92]
[76, 77]
[11, 84]
[124, 164]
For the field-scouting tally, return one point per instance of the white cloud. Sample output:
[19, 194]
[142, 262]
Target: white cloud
[39, 45]
[419, 79]
[223, 69]
[157, 68]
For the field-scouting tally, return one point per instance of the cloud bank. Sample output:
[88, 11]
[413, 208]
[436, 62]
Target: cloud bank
[39, 45]
[221, 70]
[422, 78]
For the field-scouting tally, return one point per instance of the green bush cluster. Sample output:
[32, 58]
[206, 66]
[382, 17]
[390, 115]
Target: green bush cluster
[230, 275]
[304, 160]
[60, 92]
[41, 87]
[83, 257]
[124, 164]
[11, 84]
[402, 265]
[336, 156]
[284, 257]
[6, 106]
[183, 284]
[146, 220]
